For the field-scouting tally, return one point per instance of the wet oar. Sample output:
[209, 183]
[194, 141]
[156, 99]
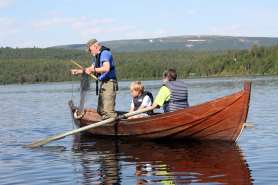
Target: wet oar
[75, 131]
[91, 75]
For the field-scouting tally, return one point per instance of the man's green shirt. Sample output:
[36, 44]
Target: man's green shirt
[163, 95]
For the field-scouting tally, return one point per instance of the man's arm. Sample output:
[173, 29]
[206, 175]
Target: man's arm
[103, 69]
[162, 96]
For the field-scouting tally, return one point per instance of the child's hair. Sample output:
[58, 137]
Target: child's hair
[137, 86]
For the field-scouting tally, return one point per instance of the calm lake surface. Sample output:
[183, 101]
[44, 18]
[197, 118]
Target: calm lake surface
[31, 112]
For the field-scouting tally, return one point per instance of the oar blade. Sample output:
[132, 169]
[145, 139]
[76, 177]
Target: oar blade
[35, 144]
[42, 142]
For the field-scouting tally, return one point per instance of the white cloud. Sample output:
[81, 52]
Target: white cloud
[5, 3]
[50, 23]
[86, 27]
[58, 29]
[77, 23]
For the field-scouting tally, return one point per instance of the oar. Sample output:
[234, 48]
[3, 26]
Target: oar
[75, 131]
[91, 75]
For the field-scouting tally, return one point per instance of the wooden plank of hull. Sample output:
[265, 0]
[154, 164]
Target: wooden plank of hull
[220, 119]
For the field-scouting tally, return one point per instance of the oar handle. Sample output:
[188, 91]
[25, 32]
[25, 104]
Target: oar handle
[81, 67]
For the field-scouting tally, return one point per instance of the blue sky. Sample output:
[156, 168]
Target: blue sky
[43, 23]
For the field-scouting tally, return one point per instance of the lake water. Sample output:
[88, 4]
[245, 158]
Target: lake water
[31, 112]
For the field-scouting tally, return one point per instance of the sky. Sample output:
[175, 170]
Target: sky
[44, 23]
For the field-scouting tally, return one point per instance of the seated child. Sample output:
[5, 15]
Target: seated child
[140, 99]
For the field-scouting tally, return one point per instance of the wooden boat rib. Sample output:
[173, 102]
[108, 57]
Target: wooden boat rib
[219, 119]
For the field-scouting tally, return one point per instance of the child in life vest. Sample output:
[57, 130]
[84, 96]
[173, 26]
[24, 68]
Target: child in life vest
[140, 99]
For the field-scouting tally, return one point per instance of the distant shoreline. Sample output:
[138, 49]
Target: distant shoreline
[34, 65]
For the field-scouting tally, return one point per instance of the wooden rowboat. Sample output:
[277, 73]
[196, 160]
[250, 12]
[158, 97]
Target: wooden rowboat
[219, 119]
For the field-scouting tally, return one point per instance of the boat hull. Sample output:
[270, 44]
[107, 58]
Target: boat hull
[219, 119]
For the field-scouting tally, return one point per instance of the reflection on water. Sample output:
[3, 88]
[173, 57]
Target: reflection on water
[105, 160]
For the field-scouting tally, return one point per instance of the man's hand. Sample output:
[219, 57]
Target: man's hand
[89, 70]
[76, 71]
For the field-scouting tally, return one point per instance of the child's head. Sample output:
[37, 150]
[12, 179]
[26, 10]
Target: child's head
[136, 88]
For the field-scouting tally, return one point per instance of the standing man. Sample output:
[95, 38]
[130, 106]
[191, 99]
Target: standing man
[104, 68]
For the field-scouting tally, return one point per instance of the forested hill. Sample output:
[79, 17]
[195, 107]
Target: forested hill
[33, 65]
[190, 43]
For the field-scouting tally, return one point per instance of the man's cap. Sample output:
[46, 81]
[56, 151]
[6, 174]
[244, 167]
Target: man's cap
[91, 42]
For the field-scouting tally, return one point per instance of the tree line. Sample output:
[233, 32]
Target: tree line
[33, 65]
